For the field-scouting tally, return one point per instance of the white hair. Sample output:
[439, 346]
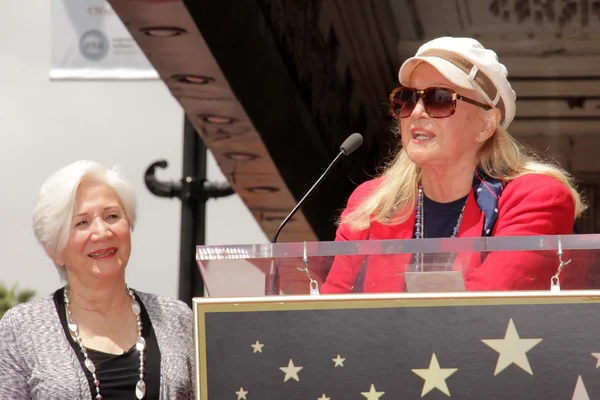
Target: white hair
[55, 204]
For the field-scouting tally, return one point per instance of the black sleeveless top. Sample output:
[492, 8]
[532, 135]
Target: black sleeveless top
[118, 373]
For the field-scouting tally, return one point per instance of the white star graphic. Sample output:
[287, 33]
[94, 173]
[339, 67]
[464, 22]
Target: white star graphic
[372, 394]
[580, 392]
[257, 347]
[339, 361]
[323, 397]
[435, 377]
[597, 355]
[241, 394]
[512, 349]
[291, 371]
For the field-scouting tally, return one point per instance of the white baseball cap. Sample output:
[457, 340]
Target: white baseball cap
[467, 64]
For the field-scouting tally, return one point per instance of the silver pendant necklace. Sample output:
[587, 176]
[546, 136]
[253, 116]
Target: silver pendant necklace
[140, 345]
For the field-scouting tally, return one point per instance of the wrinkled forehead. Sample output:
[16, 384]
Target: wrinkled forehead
[93, 192]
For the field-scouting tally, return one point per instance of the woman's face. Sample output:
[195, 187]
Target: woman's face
[99, 241]
[442, 142]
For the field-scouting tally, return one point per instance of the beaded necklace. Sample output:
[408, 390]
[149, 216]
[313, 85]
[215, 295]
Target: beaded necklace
[140, 345]
[420, 224]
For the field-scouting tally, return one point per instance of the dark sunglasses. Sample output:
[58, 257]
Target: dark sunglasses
[439, 102]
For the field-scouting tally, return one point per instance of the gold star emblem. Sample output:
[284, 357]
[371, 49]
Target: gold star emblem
[339, 361]
[512, 349]
[323, 397]
[257, 347]
[435, 377]
[597, 355]
[372, 394]
[291, 371]
[580, 392]
[241, 394]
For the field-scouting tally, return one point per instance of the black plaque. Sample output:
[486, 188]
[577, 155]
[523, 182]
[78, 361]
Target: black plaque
[487, 346]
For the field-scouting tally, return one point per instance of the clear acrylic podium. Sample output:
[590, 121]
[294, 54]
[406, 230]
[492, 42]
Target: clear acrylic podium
[467, 318]
[428, 265]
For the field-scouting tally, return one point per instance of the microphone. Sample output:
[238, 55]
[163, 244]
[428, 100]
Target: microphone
[348, 147]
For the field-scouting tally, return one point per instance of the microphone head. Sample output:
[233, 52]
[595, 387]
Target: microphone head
[352, 143]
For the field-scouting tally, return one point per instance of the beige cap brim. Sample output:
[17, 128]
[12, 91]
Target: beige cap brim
[447, 69]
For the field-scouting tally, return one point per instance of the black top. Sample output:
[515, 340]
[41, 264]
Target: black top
[441, 218]
[440, 221]
[118, 374]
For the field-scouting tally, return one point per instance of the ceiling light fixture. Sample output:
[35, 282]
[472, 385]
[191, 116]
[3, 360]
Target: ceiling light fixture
[240, 156]
[163, 31]
[193, 79]
[262, 189]
[273, 218]
[217, 120]
[216, 134]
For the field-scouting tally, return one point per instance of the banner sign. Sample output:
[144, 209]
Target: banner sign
[89, 41]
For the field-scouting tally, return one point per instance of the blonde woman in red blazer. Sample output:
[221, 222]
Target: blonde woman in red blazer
[458, 173]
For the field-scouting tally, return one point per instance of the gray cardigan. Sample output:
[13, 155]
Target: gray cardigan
[38, 362]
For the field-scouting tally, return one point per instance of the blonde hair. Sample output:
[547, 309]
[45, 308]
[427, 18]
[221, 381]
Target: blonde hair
[500, 157]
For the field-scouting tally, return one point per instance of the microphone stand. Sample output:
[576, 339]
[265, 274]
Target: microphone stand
[316, 184]
[272, 281]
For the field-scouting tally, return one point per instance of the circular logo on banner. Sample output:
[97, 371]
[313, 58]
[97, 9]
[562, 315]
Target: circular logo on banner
[93, 45]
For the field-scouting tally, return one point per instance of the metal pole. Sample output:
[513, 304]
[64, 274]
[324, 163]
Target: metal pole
[193, 214]
[193, 190]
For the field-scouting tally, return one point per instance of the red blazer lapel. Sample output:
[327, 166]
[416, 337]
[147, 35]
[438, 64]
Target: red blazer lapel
[472, 223]
[471, 226]
[399, 231]
[385, 273]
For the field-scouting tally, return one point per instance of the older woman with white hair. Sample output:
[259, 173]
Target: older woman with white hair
[96, 337]
[458, 173]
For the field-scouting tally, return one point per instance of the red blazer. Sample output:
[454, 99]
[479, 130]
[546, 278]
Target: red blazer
[533, 204]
